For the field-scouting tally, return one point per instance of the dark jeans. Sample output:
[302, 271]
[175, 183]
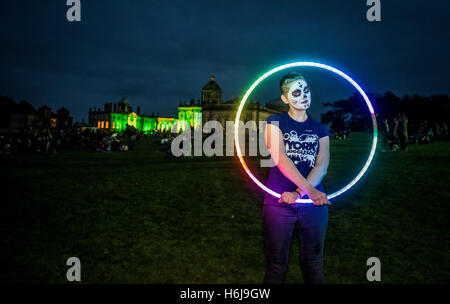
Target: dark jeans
[279, 221]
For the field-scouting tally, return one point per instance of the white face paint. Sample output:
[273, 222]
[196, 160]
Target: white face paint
[299, 95]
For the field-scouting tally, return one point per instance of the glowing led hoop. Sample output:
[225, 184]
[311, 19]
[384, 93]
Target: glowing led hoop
[317, 65]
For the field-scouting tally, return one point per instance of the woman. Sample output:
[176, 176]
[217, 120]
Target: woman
[299, 147]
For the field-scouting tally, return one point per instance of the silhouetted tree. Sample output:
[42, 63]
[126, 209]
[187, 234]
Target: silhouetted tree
[347, 115]
[352, 112]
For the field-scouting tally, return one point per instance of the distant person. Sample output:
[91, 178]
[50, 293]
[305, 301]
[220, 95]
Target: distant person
[396, 135]
[430, 135]
[386, 135]
[420, 133]
[423, 134]
[131, 132]
[444, 129]
[300, 148]
[403, 131]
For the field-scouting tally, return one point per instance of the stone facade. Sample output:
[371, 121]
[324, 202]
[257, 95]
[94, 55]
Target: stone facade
[211, 107]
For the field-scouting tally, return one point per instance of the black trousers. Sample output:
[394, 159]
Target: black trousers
[279, 221]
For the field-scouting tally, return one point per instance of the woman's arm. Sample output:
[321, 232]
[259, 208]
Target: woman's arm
[322, 161]
[275, 145]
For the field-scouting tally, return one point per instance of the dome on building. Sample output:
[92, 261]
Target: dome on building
[211, 93]
[212, 85]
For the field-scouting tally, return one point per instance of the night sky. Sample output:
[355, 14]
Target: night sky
[157, 53]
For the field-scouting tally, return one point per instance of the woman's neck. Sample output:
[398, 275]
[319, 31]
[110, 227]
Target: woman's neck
[297, 115]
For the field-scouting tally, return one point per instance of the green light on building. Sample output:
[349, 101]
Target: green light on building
[191, 114]
[119, 122]
[117, 116]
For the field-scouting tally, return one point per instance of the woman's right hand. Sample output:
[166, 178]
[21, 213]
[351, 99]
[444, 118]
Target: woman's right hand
[319, 198]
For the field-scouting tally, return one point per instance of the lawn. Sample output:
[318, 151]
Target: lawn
[137, 217]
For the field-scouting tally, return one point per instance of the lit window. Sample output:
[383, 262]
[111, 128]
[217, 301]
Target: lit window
[114, 125]
[98, 124]
[107, 124]
[103, 124]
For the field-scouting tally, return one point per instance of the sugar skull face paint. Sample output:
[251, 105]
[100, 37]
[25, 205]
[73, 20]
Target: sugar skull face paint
[299, 95]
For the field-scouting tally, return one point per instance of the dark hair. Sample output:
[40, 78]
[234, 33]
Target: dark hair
[287, 79]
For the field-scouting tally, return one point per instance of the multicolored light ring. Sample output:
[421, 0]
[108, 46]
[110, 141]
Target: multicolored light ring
[317, 65]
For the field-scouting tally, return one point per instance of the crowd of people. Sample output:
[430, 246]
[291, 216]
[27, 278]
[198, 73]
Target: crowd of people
[395, 133]
[398, 132]
[50, 140]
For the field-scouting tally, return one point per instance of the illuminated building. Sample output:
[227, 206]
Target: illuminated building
[116, 116]
[191, 113]
[211, 107]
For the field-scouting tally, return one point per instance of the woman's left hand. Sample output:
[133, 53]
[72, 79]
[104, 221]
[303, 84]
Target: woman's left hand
[288, 197]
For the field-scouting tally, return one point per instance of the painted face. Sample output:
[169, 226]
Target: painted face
[299, 95]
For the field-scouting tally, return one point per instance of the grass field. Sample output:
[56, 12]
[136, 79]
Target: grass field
[140, 218]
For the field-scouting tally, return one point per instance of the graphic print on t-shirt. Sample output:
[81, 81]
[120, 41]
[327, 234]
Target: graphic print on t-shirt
[301, 148]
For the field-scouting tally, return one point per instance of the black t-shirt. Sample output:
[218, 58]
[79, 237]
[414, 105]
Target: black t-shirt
[301, 140]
